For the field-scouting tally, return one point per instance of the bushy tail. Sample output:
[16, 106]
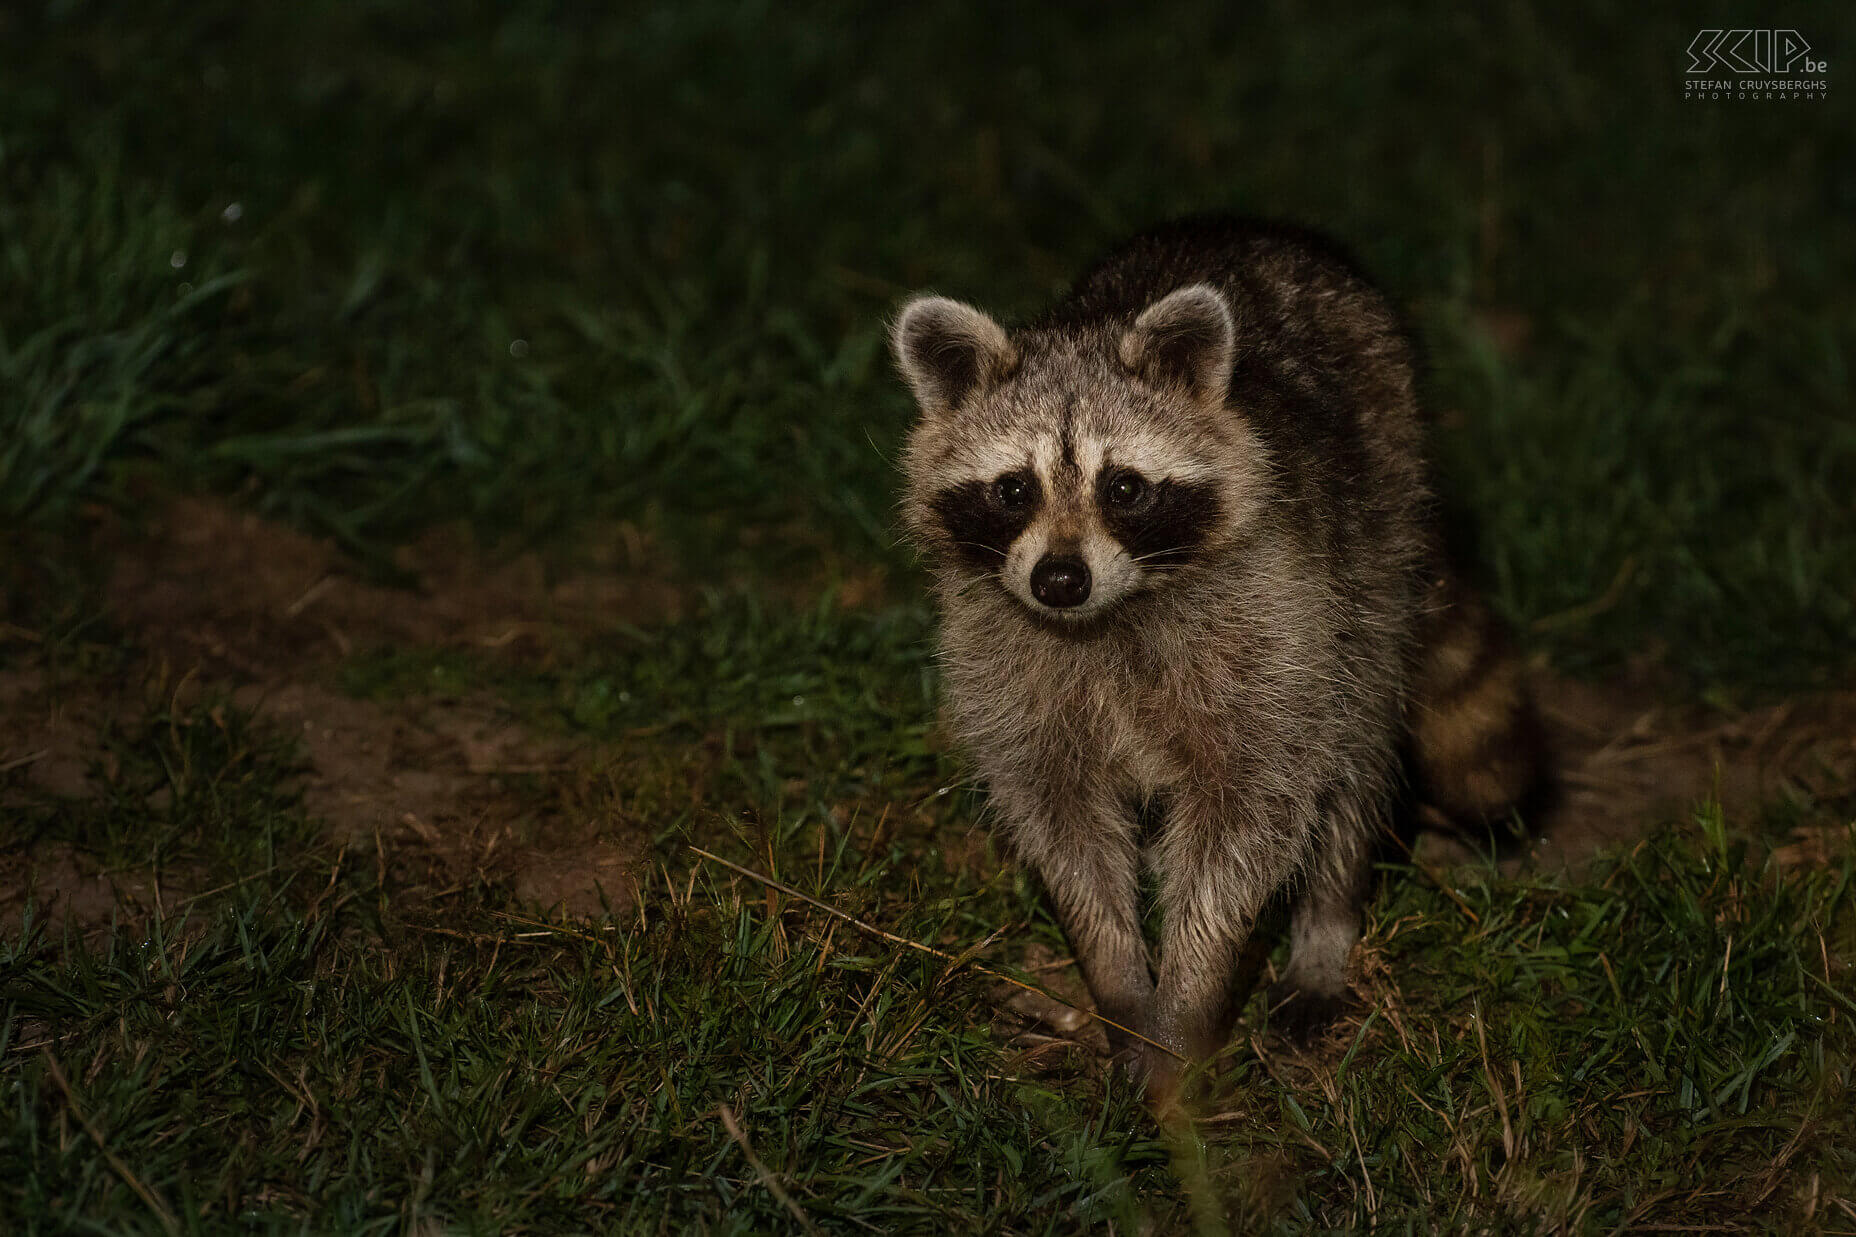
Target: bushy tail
[1478, 748]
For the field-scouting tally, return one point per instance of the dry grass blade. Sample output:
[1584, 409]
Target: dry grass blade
[20, 762]
[930, 950]
[1436, 878]
[122, 1170]
[760, 1170]
[1598, 605]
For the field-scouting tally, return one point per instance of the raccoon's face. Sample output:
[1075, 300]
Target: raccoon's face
[1076, 469]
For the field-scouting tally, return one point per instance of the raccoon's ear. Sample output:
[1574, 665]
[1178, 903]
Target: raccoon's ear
[1185, 339]
[948, 351]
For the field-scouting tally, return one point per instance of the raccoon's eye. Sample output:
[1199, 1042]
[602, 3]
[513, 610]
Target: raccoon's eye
[1127, 488]
[1012, 491]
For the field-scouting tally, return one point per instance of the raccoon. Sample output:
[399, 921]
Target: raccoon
[1189, 572]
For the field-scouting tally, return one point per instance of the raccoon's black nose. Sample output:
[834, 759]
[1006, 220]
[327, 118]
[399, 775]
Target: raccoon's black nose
[1060, 582]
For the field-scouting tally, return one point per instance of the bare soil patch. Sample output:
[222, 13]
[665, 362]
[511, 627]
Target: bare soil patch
[1629, 761]
[208, 584]
[223, 603]
[63, 883]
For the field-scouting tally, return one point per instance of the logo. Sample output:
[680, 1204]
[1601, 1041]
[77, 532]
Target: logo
[1751, 51]
[1765, 64]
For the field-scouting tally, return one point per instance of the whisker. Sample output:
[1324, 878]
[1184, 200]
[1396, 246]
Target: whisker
[1141, 558]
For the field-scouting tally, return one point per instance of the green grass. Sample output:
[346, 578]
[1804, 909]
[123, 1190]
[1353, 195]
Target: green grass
[321, 1047]
[204, 791]
[530, 268]
[366, 270]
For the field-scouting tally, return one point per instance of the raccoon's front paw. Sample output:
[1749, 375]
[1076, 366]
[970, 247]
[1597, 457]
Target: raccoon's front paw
[1302, 1014]
[1165, 1062]
[1158, 1073]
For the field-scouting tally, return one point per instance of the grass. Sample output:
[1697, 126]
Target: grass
[206, 792]
[322, 1047]
[531, 268]
[368, 270]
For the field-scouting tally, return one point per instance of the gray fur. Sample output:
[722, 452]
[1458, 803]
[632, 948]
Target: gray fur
[1255, 680]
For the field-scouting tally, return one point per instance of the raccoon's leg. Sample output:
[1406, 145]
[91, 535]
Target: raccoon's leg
[1210, 894]
[1323, 927]
[1093, 883]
